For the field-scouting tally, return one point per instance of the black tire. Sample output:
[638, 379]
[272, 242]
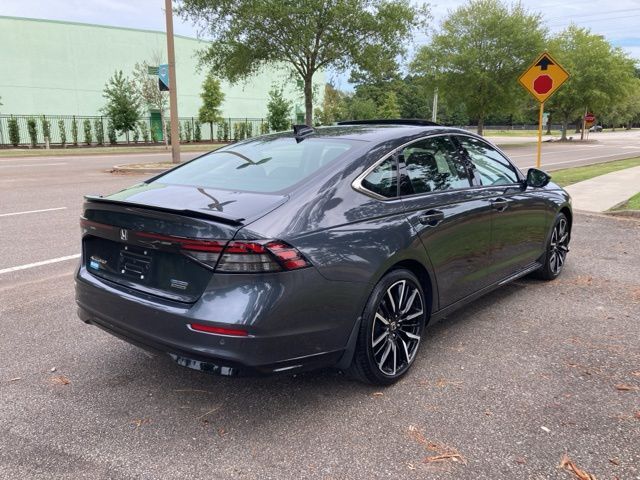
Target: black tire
[399, 337]
[556, 250]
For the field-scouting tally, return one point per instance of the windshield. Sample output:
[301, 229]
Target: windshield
[264, 165]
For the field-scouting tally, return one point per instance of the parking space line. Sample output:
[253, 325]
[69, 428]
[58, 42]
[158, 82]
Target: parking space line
[39, 264]
[32, 211]
[582, 160]
[34, 165]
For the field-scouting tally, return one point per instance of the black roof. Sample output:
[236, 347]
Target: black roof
[392, 121]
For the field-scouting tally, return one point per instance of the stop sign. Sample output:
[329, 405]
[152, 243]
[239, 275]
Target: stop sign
[542, 84]
[589, 118]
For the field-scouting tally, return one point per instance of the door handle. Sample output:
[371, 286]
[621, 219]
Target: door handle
[431, 218]
[500, 204]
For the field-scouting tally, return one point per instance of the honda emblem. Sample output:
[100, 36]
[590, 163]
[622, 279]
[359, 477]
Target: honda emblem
[124, 235]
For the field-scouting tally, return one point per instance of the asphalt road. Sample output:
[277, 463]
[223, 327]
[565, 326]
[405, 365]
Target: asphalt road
[511, 383]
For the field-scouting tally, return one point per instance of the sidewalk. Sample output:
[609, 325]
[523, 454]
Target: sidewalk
[599, 194]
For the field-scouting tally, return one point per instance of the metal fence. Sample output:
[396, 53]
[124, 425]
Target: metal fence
[70, 130]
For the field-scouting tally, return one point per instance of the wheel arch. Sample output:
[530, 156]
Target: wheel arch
[420, 271]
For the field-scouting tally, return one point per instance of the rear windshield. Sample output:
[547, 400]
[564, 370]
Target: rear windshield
[264, 165]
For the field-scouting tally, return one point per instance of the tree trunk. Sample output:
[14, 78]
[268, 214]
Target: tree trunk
[308, 100]
[565, 125]
[480, 126]
[549, 124]
[211, 128]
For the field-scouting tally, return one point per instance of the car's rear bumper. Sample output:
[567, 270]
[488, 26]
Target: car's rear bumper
[295, 322]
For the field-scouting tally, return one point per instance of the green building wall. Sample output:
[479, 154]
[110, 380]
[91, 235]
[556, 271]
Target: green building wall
[60, 68]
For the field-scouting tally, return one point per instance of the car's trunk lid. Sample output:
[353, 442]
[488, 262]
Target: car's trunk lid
[137, 237]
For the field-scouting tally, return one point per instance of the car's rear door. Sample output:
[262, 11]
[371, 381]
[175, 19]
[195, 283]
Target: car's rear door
[520, 216]
[452, 220]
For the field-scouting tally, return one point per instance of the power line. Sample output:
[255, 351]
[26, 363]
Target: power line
[599, 14]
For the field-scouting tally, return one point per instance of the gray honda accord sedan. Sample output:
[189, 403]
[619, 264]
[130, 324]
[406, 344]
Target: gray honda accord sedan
[325, 247]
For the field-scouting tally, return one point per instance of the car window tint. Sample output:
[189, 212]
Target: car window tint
[262, 165]
[490, 165]
[432, 165]
[383, 180]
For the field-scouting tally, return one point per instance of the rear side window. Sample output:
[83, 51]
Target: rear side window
[383, 180]
[264, 165]
[432, 165]
[490, 165]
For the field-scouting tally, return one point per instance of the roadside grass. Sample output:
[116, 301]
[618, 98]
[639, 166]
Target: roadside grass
[87, 151]
[518, 133]
[567, 176]
[632, 204]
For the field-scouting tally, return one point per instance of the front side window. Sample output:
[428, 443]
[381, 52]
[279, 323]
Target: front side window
[491, 167]
[383, 180]
[263, 165]
[432, 165]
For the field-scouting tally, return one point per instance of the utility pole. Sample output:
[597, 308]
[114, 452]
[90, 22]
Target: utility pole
[434, 110]
[173, 89]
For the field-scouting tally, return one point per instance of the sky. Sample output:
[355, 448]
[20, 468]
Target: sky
[617, 20]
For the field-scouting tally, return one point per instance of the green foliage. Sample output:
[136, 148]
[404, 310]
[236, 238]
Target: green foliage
[601, 75]
[146, 86]
[264, 128]
[180, 132]
[123, 102]
[111, 133]
[197, 133]
[308, 36]
[32, 128]
[154, 135]
[225, 131]
[220, 132]
[87, 131]
[236, 132]
[98, 129]
[46, 128]
[212, 98]
[478, 54]
[136, 133]
[188, 131]
[62, 129]
[14, 131]
[362, 108]
[389, 107]
[279, 110]
[334, 106]
[74, 131]
[144, 129]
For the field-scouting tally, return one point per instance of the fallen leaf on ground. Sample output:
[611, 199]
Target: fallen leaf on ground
[520, 461]
[545, 429]
[61, 380]
[637, 415]
[568, 466]
[138, 422]
[443, 452]
[623, 387]
[636, 373]
[615, 461]
[443, 382]
[377, 394]
[411, 466]
[222, 432]
[14, 379]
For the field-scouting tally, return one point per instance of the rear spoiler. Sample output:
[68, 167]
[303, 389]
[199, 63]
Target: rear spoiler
[205, 214]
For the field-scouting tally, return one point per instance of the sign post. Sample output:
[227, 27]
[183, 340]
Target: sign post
[542, 79]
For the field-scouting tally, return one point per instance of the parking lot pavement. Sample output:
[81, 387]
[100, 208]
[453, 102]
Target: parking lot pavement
[511, 383]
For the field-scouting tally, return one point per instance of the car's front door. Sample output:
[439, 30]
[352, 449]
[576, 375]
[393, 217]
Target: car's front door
[520, 218]
[452, 220]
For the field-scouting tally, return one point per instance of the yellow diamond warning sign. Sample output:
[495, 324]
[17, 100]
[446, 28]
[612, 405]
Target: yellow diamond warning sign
[543, 77]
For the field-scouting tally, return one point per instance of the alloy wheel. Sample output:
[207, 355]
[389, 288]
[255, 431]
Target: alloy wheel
[397, 328]
[558, 246]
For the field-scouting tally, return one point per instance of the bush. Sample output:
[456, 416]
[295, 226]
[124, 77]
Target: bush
[264, 128]
[187, 131]
[46, 129]
[74, 131]
[14, 132]
[279, 110]
[197, 133]
[98, 129]
[220, 134]
[236, 132]
[225, 132]
[136, 134]
[111, 133]
[32, 128]
[154, 136]
[249, 130]
[180, 132]
[63, 133]
[86, 125]
[144, 129]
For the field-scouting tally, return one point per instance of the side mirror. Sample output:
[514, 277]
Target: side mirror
[537, 178]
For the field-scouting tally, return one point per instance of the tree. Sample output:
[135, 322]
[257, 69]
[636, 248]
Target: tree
[14, 131]
[389, 107]
[123, 103]
[306, 35]
[334, 106]
[600, 75]
[279, 110]
[147, 87]
[212, 98]
[478, 55]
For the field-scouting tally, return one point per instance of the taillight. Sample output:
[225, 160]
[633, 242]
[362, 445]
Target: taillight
[254, 257]
[198, 327]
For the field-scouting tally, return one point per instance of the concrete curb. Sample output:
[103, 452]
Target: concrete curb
[625, 213]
